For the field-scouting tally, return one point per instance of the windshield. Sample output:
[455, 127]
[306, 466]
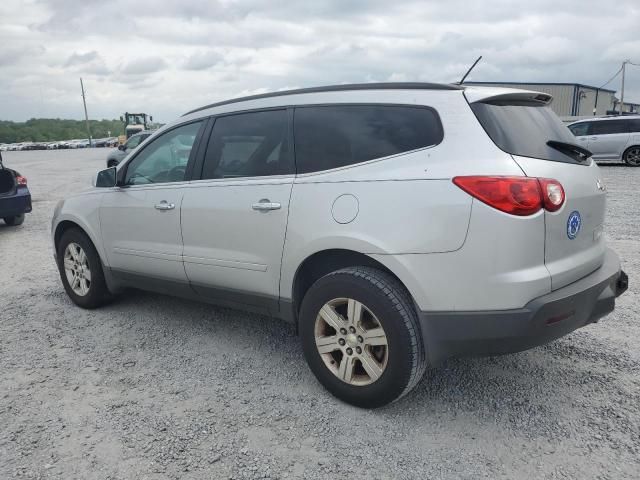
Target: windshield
[525, 128]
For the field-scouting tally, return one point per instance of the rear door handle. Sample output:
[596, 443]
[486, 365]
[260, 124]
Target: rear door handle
[265, 205]
[163, 205]
[593, 138]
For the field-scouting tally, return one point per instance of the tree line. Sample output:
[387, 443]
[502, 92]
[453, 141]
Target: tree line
[51, 129]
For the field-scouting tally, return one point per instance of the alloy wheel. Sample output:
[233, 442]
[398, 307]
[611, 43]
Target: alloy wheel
[633, 156]
[76, 269]
[351, 341]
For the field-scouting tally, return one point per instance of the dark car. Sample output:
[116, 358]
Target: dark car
[15, 198]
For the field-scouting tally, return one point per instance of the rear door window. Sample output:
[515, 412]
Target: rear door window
[609, 127]
[251, 144]
[335, 136]
[524, 128]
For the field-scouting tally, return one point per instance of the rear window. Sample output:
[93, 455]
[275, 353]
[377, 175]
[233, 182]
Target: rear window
[634, 125]
[336, 136]
[524, 129]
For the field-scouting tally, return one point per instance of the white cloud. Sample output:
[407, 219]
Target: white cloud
[202, 60]
[168, 56]
[143, 65]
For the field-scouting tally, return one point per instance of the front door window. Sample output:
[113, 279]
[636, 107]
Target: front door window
[165, 158]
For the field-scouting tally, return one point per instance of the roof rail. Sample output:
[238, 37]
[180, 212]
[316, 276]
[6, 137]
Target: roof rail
[339, 88]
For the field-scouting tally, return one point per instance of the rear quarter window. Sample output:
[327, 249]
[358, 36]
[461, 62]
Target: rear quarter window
[524, 128]
[328, 137]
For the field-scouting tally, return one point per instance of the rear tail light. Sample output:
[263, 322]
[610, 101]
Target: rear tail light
[520, 196]
[552, 194]
[20, 180]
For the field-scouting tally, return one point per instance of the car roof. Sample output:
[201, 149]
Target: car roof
[338, 88]
[608, 117]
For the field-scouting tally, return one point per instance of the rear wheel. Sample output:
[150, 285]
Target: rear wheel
[632, 156]
[81, 270]
[360, 336]
[15, 220]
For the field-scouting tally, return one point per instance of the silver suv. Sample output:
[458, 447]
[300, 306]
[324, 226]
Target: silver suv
[395, 225]
[610, 138]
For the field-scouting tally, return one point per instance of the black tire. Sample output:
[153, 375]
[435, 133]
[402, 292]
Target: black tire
[389, 301]
[98, 293]
[627, 156]
[14, 221]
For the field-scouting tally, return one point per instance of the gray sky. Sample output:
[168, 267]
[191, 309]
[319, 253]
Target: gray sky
[165, 57]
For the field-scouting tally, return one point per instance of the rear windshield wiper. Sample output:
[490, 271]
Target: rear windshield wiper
[582, 153]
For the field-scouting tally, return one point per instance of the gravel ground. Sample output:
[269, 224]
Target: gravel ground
[153, 387]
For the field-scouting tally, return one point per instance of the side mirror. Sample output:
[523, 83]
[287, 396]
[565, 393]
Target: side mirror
[150, 118]
[105, 178]
[122, 147]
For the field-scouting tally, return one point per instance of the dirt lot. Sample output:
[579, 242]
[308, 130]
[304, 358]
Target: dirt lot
[154, 387]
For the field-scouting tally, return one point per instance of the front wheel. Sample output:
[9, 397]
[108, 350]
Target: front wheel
[81, 270]
[632, 156]
[15, 220]
[361, 337]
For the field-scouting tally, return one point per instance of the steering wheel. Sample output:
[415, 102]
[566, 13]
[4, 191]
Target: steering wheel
[138, 175]
[176, 174]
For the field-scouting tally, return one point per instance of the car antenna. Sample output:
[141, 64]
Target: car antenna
[469, 71]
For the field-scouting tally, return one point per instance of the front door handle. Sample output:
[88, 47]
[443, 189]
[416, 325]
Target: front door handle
[163, 205]
[265, 205]
[593, 138]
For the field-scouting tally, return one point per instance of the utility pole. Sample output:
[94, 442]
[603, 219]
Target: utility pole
[86, 116]
[622, 89]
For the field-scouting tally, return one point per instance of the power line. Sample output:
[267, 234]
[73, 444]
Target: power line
[611, 79]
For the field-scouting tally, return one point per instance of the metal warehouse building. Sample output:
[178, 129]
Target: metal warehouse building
[571, 100]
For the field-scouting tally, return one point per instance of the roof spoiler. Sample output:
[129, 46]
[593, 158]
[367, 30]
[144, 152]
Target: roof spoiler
[507, 95]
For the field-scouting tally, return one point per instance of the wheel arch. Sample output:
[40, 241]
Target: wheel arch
[62, 227]
[66, 224]
[320, 263]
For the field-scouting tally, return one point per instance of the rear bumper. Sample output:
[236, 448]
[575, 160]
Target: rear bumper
[542, 320]
[16, 204]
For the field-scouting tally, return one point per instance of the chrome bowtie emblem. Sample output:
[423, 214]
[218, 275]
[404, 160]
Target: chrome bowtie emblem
[600, 185]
